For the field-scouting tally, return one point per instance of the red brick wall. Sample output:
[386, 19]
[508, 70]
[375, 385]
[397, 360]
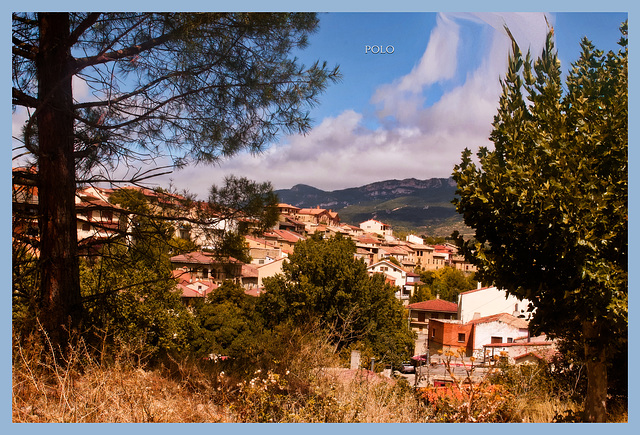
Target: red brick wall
[446, 335]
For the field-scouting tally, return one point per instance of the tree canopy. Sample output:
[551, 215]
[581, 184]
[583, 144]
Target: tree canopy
[322, 281]
[549, 202]
[446, 282]
[163, 90]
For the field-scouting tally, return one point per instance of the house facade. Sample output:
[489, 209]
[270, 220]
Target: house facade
[420, 313]
[206, 266]
[497, 329]
[376, 227]
[394, 274]
[476, 335]
[486, 301]
[525, 350]
[449, 334]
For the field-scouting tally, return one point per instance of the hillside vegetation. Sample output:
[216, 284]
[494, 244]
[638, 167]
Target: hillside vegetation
[411, 205]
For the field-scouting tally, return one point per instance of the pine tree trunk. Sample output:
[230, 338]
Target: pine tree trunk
[596, 358]
[60, 303]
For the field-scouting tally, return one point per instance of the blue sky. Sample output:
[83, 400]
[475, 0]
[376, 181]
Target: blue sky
[409, 113]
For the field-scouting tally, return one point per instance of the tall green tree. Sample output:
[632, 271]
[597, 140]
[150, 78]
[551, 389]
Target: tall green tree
[446, 282]
[128, 290]
[549, 204]
[182, 87]
[323, 282]
[227, 323]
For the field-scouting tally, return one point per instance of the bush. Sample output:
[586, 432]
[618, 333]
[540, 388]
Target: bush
[485, 403]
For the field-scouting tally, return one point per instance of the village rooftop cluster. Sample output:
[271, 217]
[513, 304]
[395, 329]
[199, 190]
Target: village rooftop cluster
[485, 322]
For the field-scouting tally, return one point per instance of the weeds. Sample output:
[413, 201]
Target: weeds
[86, 387]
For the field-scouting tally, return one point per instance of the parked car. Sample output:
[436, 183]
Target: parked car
[407, 367]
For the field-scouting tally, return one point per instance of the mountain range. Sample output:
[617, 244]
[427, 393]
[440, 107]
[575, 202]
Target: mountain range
[419, 206]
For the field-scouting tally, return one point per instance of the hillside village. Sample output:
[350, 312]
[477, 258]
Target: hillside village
[485, 321]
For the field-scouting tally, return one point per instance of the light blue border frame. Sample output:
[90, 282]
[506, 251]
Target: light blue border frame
[324, 6]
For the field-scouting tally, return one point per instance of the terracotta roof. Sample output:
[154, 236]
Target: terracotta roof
[196, 289]
[87, 201]
[312, 211]
[504, 318]
[249, 271]
[475, 290]
[294, 221]
[351, 227]
[387, 262]
[255, 292]
[439, 305]
[288, 236]
[394, 250]
[368, 240]
[418, 247]
[198, 257]
[543, 355]
[283, 205]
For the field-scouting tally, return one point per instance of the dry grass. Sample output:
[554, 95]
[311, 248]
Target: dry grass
[80, 390]
[83, 389]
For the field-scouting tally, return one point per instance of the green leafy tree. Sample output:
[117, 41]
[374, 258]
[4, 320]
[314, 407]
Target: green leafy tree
[446, 283]
[322, 281]
[549, 203]
[128, 289]
[228, 323]
[130, 303]
[179, 87]
[252, 206]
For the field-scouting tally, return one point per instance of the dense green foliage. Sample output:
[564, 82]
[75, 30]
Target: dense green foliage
[228, 323]
[549, 203]
[446, 282]
[128, 290]
[322, 281]
[177, 87]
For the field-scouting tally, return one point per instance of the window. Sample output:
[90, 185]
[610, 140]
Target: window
[496, 340]
[86, 227]
[509, 340]
[461, 337]
[433, 332]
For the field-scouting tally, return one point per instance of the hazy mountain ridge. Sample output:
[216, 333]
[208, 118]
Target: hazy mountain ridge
[423, 206]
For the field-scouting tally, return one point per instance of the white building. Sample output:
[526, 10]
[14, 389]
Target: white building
[376, 227]
[497, 329]
[415, 239]
[487, 301]
[396, 275]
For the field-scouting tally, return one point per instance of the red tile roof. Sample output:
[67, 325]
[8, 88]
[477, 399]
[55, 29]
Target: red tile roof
[504, 318]
[543, 355]
[435, 305]
[200, 258]
[475, 290]
[249, 271]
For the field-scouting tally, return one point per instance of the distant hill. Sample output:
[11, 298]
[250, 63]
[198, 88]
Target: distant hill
[421, 206]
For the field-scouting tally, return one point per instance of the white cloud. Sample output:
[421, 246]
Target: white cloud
[416, 141]
[439, 60]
